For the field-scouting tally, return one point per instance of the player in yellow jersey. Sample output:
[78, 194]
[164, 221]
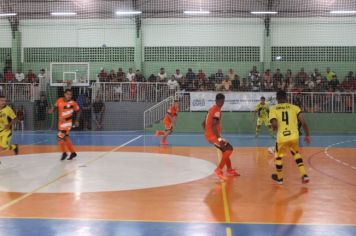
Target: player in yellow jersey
[7, 120]
[284, 118]
[262, 110]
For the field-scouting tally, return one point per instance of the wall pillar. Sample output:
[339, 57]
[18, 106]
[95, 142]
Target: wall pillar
[138, 50]
[16, 51]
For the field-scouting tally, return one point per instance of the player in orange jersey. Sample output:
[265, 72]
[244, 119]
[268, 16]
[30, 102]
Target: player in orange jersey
[66, 108]
[212, 127]
[168, 121]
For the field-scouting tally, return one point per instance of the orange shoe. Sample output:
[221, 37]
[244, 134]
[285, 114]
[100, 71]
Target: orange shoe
[232, 172]
[157, 134]
[219, 173]
[164, 142]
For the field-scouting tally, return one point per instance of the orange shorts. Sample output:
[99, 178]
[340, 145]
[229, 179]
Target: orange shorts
[62, 133]
[167, 124]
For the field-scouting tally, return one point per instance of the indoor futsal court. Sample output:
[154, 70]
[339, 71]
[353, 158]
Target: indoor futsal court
[177, 118]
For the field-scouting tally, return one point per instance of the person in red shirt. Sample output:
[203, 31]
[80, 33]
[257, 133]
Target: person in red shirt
[212, 128]
[168, 121]
[66, 108]
[9, 76]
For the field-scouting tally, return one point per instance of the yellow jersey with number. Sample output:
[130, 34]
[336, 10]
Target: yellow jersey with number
[6, 116]
[262, 110]
[286, 115]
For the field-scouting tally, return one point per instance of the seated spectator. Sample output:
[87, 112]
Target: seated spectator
[99, 109]
[267, 80]
[301, 77]
[231, 74]
[321, 84]
[31, 77]
[254, 78]
[315, 74]
[162, 75]
[120, 75]
[19, 76]
[178, 76]
[334, 84]
[219, 76]
[20, 113]
[183, 84]
[173, 86]
[9, 76]
[103, 76]
[348, 83]
[130, 76]
[152, 78]
[245, 85]
[236, 83]
[41, 108]
[329, 74]
[1, 78]
[139, 76]
[190, 77]
[226, 84]
[309, 85]
[112, 77]
[278, 80]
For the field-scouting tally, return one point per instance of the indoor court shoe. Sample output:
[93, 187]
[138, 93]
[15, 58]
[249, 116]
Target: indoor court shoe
[72, 156]
[275, 178]
[305, 179]
[232, 172]
[219, 173]
[64, 156]
[16, 150]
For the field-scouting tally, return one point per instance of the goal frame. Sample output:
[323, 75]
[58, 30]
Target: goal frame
[75, 83]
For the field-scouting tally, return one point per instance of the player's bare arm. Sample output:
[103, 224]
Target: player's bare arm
[305, 127]
[78, 114]
[12, 122]
[274, 124]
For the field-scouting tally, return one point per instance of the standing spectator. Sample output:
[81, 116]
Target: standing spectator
[236, 83]
[347, 83]
[139, 76]
[162, 75]
[278, 80]
[20, 113]
[19, 76]
[112, 76]
[334, 84]
[301, 77]
[86, 124]
[31, 77]
[99, 109]
[329, 74]
[178, 76]
[267, 80]
[315, 74]
[245, 85]
[219, 76]
[255, 79]
[130, 76]
[120, 75]
[190, 77]
[103, 76]
[42, 80]
[288, 79]
[41, 109]
[9, 76]
[173, 86]
[231, 74]
[226, 84]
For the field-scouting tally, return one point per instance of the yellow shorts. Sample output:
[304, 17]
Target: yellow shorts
[263, 121]
[282, 148]
[5, 138]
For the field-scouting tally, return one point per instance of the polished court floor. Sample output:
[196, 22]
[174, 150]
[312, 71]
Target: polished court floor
[124, 183]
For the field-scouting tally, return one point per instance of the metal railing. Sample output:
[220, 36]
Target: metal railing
[132, 91]
[17, 92]
[322, 102]
[156, 112]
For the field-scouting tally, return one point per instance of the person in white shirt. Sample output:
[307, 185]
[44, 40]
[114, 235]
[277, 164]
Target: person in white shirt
[162, 75]
[173, 86]
[178, 76]
[19, 77]
[130, 76]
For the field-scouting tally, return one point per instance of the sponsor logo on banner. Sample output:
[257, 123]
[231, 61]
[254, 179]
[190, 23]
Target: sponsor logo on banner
[234, 101]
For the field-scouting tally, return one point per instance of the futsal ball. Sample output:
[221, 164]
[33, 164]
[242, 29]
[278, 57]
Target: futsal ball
[271, 150]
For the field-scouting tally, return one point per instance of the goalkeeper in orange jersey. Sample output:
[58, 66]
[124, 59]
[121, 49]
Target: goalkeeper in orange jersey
[169, 121]
[66, 108]
[212, 128]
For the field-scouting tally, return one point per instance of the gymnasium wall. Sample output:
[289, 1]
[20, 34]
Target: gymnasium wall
[175, 43]
[242, 122]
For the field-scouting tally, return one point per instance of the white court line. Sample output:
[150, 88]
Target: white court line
[65, 174]
[335, 159]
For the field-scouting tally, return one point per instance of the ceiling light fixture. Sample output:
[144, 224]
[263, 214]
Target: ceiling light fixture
[342, 12]
[196, 12]
[7, 14]
[125, 13]
[264, 12]
[63, 13]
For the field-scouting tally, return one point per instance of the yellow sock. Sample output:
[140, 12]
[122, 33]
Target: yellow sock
[279, 167]
[11, 147]
[299, 160]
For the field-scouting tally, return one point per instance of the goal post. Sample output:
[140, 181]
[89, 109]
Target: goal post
[76, 72]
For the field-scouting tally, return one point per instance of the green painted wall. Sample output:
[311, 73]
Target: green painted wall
[241, 122]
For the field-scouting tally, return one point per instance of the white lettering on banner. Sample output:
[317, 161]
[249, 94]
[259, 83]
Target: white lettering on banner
[234, 101]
